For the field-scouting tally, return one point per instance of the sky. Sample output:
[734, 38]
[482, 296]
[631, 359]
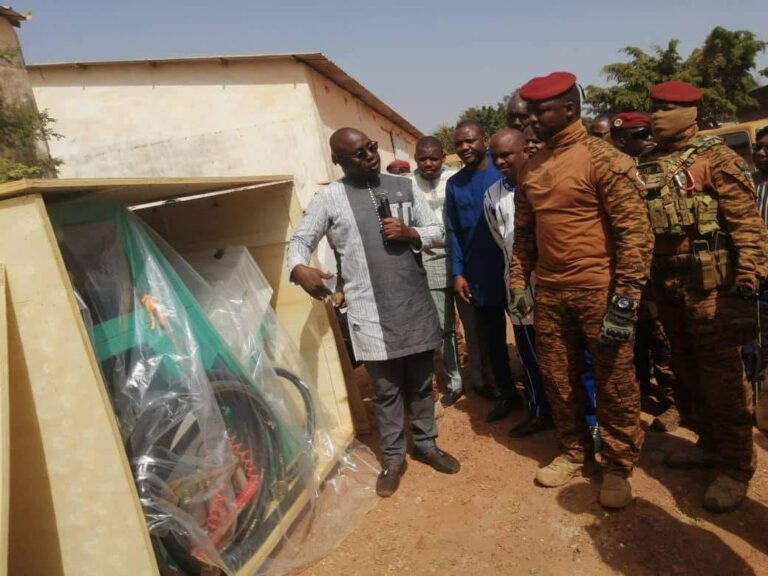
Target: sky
[428, 60]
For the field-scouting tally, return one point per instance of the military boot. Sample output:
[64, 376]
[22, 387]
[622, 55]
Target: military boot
[724, 494]
[558, 472]
[667, 421]
[691, 457]
[616, 491]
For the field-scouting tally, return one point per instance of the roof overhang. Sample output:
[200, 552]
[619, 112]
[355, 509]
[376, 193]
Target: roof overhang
[314, 60]
[15, 18]
[135, 191]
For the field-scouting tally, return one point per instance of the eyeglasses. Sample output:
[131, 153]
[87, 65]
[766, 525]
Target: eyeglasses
[642, 134]
[360, 154]
[763, 146]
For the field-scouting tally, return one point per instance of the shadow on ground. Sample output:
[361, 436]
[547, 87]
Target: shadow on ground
[644, 539]
[687, 487]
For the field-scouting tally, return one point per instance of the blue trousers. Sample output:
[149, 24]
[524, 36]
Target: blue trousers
[538, 405]
[588, 379]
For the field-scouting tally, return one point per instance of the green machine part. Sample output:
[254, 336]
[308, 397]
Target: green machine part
[117, 335]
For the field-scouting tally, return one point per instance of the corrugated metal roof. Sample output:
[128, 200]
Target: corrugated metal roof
[12, 16]
[315, 60]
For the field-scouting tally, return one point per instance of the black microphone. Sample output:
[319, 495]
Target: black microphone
[384, 210]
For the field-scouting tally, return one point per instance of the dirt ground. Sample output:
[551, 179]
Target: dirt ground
[491, 519]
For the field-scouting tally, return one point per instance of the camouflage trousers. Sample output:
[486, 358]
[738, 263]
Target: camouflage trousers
[567, 322]
[706, 345]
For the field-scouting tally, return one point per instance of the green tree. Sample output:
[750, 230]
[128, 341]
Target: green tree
[633, 78]
[444, 133]
[22, 130]
[492, 118]
[722, 67]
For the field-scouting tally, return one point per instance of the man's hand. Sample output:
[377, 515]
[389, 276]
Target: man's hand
[394, 230]
[461, 287]
[339, 301]
[618, 325]
[519, 307]
[311, 279]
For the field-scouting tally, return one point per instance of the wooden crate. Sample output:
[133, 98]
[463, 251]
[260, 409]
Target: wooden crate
[73, 504]
[5, 486]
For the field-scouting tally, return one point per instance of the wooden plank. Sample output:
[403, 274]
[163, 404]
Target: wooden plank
[73, 508]
[355, 398]
[5, 445]
[132, 191]
[282, 531]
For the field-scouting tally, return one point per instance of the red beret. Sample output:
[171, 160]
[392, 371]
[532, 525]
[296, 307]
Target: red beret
[399, 164]
[676, 91]
[546, 87]
[630, 120]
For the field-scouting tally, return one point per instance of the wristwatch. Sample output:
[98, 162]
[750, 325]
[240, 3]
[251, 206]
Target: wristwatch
[624, 303]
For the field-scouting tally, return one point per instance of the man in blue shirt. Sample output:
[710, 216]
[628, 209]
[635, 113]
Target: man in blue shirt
[477, 263]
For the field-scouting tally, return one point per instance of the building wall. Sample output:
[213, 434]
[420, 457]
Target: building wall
[15, 89]
[196, 119]
[337, 108]
[201, 119]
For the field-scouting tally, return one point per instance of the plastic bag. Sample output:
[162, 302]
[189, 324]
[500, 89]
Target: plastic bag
[225, 438]
[215, 464]
[237, 300]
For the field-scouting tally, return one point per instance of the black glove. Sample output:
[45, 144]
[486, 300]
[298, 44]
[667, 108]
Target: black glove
[618, 323]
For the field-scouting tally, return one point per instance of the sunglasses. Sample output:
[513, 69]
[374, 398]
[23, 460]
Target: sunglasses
[642, 134]
[360, 154]
[760, 147]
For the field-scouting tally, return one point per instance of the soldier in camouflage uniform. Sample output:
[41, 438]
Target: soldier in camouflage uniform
[581, 224]
[708, 263]
[631, 133]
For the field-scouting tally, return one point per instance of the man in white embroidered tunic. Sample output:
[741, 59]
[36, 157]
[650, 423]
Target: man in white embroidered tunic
[379, 224]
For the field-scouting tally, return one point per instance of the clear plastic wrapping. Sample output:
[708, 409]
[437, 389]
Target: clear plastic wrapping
[236, 296]
[220, 427]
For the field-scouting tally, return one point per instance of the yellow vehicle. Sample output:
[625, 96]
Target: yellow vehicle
[740, 137]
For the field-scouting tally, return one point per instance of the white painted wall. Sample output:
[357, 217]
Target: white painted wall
[337, 108]
[203, 119]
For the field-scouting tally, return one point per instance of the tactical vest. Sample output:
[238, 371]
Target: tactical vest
[673, 203]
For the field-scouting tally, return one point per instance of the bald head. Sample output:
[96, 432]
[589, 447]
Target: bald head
[343, 136]
[507, 137]
[357, 154]
[601, 127]
[517, 111]
[507, 148]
